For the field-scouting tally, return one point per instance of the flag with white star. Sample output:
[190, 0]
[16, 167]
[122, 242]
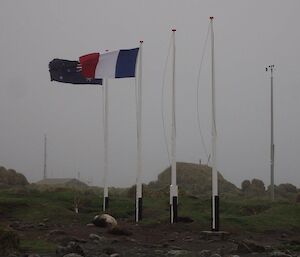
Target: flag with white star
[66, 71]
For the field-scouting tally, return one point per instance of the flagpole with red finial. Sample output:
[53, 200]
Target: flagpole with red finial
[105, 134]
[139, 191]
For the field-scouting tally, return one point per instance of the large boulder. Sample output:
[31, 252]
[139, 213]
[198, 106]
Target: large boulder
[254, 188]
[12, 178]
[105, 220]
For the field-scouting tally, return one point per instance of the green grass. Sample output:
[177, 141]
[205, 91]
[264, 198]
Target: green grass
[236, 213]
[38, 246]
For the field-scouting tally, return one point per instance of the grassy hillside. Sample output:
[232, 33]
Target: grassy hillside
[193, 179]
[237, 213]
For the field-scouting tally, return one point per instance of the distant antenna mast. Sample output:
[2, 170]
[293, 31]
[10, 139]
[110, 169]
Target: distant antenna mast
[45, 156]
[272, 148]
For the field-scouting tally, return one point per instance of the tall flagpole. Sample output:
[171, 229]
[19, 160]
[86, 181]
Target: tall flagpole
[173, 186]
[139, 199]
[45, 157]
[272, 147]
[105, 132]
[215, 196]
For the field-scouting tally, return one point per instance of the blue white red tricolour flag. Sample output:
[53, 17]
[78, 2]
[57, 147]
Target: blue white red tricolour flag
[116, 64]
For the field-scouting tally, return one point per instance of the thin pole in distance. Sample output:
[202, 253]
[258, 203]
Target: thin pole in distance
[271, 68]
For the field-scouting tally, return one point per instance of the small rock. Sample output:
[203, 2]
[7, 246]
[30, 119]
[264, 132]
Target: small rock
[249, 246]
[177, 252]
[109, 250]
[95, 237]
[114, 255]
[243, 248]
[72, 255]
[72, 247]
[188, 239]
[280, 254]
[90, 225]
[216, 255]
[204, 253]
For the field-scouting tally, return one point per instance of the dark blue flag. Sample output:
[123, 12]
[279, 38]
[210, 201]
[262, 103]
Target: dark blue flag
[66, 71]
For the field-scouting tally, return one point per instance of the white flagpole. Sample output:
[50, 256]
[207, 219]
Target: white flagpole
[105, 132]
[215, 196]
[139, 203]
[173, 186]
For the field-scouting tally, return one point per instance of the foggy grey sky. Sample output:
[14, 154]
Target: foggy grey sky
[248, 36]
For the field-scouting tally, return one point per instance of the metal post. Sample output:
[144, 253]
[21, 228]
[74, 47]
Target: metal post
[272, 146]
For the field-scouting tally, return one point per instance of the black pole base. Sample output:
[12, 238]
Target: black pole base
[217, 216]
[175, 210]
[140, 209]
[106, 201]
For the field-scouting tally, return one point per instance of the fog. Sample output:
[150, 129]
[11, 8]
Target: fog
[249, 35]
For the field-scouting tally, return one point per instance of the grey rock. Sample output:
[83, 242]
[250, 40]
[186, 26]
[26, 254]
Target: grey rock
[280, 254]
[72, 247]
[178, 252]
[115, 255]
[216, 255]
[109, 250]
[249, 246]
[72, 255]
[95, 237]
[204, 253]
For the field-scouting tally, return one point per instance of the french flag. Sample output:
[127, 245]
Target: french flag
[116, 64]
